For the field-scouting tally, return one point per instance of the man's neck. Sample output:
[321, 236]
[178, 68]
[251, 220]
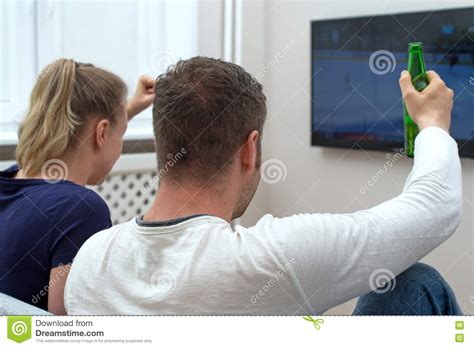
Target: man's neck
[175, 200]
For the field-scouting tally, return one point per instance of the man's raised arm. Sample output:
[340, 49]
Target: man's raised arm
[336, 254]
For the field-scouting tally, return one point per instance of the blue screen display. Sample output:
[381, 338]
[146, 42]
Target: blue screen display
[356, 64]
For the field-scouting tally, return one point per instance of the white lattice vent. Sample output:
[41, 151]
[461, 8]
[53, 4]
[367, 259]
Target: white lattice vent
[128, 194]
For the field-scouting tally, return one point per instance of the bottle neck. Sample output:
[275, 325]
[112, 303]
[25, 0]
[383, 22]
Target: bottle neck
[417, 69]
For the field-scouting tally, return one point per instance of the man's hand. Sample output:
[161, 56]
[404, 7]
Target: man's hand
[430, 107]
[143, 96]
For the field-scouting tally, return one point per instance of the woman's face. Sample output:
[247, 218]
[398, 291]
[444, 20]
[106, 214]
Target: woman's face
[111, 148]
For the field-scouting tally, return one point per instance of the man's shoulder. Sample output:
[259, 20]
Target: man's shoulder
[98, 243]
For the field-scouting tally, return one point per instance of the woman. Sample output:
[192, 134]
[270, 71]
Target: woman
[71, 137]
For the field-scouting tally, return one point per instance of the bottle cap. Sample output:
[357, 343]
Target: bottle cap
[415, 46]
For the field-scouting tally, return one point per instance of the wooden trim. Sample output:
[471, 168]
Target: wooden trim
[138, 146]
[7, 152]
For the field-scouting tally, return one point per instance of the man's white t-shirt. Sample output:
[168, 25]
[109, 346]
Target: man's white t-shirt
[296, 265]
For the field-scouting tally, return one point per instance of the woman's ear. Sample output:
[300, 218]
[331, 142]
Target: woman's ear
[101, 132]
[249, 154]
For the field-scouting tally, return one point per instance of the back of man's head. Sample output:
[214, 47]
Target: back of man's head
[203, 112]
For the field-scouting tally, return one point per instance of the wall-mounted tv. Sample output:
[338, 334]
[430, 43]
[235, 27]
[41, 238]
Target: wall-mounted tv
[356, 64]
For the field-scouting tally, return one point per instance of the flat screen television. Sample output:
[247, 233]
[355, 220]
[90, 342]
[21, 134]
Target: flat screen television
[356, 64]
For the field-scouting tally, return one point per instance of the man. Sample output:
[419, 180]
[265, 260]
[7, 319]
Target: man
[183, 257]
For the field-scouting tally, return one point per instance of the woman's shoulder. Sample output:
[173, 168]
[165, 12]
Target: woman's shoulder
[49, 191]
[56, 200]
[80, 208]
[73, 195]
[66, 201]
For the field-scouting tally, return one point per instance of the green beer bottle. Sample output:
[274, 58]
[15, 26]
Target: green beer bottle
[417, 70]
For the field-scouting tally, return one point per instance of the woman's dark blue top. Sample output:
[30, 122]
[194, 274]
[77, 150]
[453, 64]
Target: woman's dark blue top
[42, 226]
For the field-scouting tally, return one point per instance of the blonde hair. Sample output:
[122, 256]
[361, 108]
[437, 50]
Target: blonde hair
[65, 97]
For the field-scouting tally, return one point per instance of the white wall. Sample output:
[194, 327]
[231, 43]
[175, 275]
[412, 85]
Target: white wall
[329, 180]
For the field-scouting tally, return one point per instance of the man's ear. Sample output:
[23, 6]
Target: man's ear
[249, 153]
[101, 132]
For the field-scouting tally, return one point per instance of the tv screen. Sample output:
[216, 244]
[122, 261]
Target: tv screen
[356, 64]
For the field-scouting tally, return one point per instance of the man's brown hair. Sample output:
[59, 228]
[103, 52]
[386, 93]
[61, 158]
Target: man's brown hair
[206, 107]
